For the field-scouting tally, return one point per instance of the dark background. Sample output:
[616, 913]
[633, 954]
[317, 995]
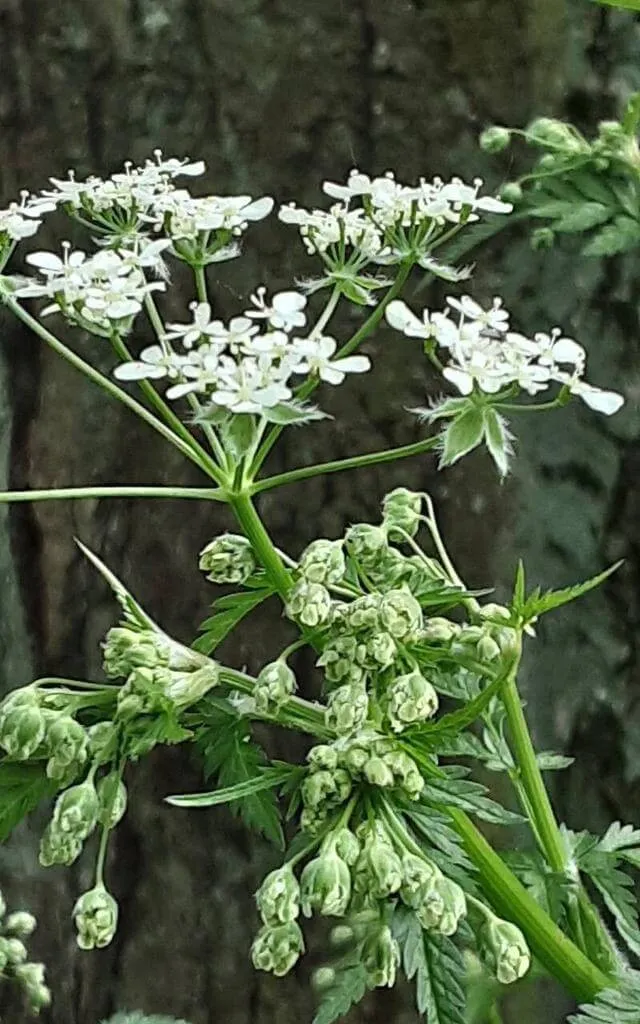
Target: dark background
[276, 96]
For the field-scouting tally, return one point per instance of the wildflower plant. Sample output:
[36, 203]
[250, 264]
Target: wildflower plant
[377, 827]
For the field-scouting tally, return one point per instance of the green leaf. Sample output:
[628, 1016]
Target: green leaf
[616, 889]
[348, 988]
[548, 761]
[619, 837]
[462, 435]
[455, 790]
[228, 612]
[593, 187]
[268, 778]
[443, 844]
[456, 721]
[631, 116]
[620, 1005]
[293, 414]
[238, 434]
[537, 604]
[22, 787]
[519, 586]
[228, 753]
[620, 236]
[148, 731]
[582, 217]
[134, 613]
[498, 439]
[627, 5]
[437, 967]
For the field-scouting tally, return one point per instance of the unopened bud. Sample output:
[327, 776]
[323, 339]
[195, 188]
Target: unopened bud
[547, 131]
[278, 897]
[126, 649]
[112, 798]
[76, 811]
[103, 741]
[378, 870]
[22, 730]
[381, 650]
[542, 238]
[228, 559]
[323, 562]
[31, 978]
[400, 613]
[411, 699]
[274, 685]
[401, 509]
[337, 659]
[504, 949]
[309, 604]
[346, 845]
[364, 613]
[325, 885]
[405, 772]
[68, 743]
[511, 192]
[58, 848]
[381, 956]
[347, 709]
[323, 757]
[494, 139]
[439, 630]
[418, 876]
[96, 918]
[323, 978]
[20, 924]
[365, 543]
[377, 772]
[184, 688]
[277, 949]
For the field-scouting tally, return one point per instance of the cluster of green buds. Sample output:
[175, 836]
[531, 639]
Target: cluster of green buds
[36, 725]
[503, 948]
[96, 918]
[14, 965]
[228, 558]
[275, 683]
[157, 669]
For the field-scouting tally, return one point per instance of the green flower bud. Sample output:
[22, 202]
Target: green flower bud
[24, 697]
[439, 630]
[491, 610]
[22, 730]
[342, 935]
[103, 741]
[76, 811]
[278, 897]
[57, 848]
[323, 978]
[364, 612]
[30, 977]
[547, 131]
[20, 924]
[391, 569]
[406, 773]
[309, 604]
[512, 192]
[494, 139]
[96, 918]
[112, 799]
[401, 508]
[347, 709]
[325, 885]
[354, 758]
[418, 875]
[228, 559]
[277, 949]
[15, 950]
[542, 238]
[346, 845]
[381, 956]
[400, 613]
[323, 562]
[487, 648]
[274, 685]
[365, 543]
[378, 870]
[313, 819]
[68, 744]
[380, 650]
[323, 757]
[4, 958]
[337, 659]
[184, 688]
[126, 649]
[443, 906]
[324, 787]
[504, 950]
[377, 772]
[411, 699]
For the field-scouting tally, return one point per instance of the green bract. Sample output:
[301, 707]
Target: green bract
[96, 917]
[277, 949]
[278, 897]
[228, 559]
[325, 885]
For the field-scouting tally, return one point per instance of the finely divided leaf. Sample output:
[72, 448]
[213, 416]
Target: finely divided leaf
[537, 604]
[462, 435]
[437, 966]
[348, 988]
[271, 777]
[134, 613]
[620, 1005]
[228, 612]
[22, 787]
[456, 791]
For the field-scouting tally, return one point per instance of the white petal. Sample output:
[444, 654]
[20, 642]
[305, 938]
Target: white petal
[138, 371]
[565, 350]
[45, 261]
[353, 364]
[607, 402]
[258, 209]
[331, 375]
[462, 380]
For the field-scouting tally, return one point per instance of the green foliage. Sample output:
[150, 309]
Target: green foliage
[22, 787]
[347, 989]
[626, 5]
[528, 609]
[272, 777]
[436, 966]
[453, 789]
[620, 1005]
[228, 611]
[134, 615]
[230, 754]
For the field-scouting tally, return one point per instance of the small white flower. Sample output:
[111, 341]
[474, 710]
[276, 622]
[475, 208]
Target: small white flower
[399, 316]
[607, 402]
[249, 390]
[285, 312]
[552, 349]
[201, 328]
[317, 358]
[153, 364]
[496, 318]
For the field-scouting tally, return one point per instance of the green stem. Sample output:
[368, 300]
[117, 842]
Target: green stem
[59, 493]
[363, 332]
[201, 283]
[103, 382]
[261, 542]
[338, 465]
[295, 712]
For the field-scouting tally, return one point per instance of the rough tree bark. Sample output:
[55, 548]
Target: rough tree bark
[277, 96]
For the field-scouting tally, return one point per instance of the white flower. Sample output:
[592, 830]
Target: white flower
[552, 349]
[607, 402]
[399, 316]
[496, 318]
[249, 389]
[237, 336]
[154, 363]
[201, 328]
[22, 220]
[316, 358]
[285, 311]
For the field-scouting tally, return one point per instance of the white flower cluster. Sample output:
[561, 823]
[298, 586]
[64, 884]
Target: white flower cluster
[101, 293]
[484, 353]
[237, 366]
[22, 220]
[393, 221]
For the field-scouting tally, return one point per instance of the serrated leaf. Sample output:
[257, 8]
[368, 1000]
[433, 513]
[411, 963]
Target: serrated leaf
[268, 778]
[228, 612]
[291, 414]
[616, 889]
[497, 439]
[620, 1005]
[436, 966]
[537, 603]
[456, 791]
[433, 827]
[519, 585]
[548, 761]
[618, 837]
[229, 753]
[134, 613]
[594, 188]
[349, 987]
[582, 217]
[22, 787]
[627, 5]
[462, 435]
[619, 236]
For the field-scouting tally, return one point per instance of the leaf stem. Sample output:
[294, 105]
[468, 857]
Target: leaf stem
[63, 493]
[338, 465]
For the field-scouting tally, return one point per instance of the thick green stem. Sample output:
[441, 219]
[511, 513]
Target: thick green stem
[64, 493]
[261, 542]
[338, 465]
